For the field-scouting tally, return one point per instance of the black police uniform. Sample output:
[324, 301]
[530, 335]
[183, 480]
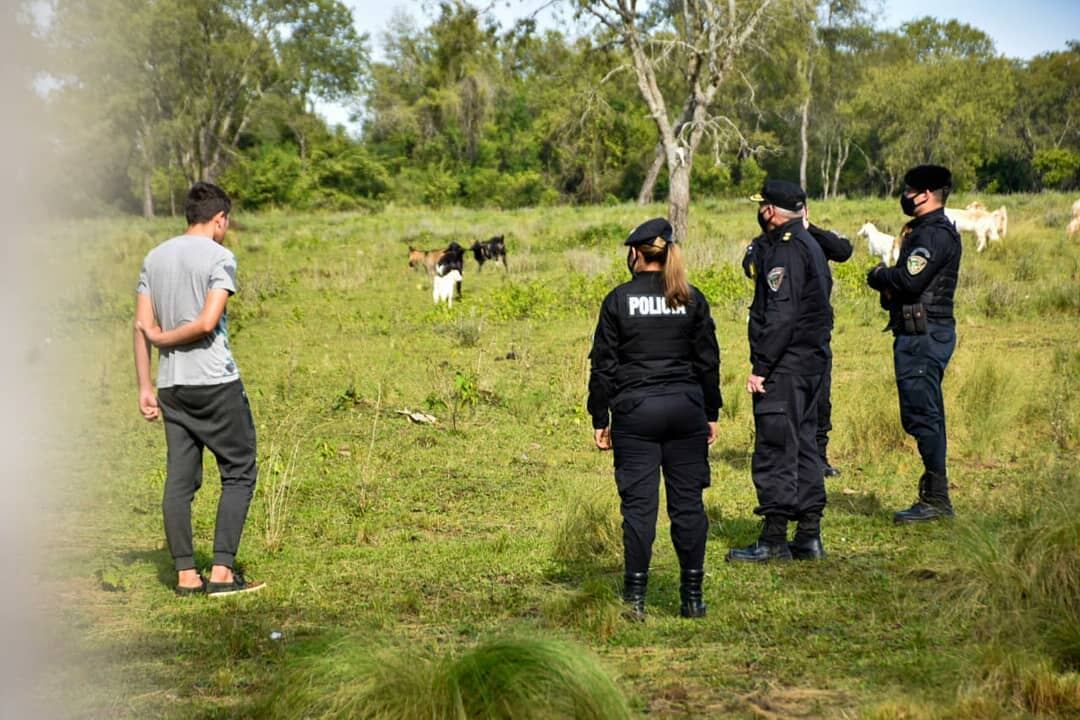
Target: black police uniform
[918, 293]
[656, 370]
[836, 248]
[790, 318]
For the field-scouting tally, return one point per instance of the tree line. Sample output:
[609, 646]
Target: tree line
[630, 101]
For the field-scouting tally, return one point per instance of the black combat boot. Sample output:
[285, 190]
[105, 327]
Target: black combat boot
[634, 585]
[772, 545]
[933, 502]
[828, 470]
[807, 543]
[690, 592]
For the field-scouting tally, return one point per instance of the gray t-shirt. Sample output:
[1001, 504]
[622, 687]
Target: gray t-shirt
[177, 275]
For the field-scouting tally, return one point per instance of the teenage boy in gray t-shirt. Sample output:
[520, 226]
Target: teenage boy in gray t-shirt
[180, 308]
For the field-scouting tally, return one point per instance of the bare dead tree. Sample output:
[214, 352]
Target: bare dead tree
[709, 36]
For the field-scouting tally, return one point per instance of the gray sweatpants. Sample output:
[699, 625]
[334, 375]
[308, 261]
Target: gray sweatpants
[217, 417]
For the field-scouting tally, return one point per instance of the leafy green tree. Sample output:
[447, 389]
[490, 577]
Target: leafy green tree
[705, 39]
[941, 102]
[1046, 120]
[177, 83]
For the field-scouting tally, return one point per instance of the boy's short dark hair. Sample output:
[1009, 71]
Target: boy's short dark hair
[204, 201]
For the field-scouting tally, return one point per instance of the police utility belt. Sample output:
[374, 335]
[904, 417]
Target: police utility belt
[914, 317]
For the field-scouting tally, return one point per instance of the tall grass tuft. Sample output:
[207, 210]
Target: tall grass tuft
[594, 608]
[278, 490]
[520, 678]
[1017, 679]
[984, 401]
[588, 540]
[873, 420]
[530, 678]
[1024, 581]
[1064, 411]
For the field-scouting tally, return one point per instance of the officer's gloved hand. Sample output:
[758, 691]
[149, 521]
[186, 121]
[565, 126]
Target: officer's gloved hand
[871, 277]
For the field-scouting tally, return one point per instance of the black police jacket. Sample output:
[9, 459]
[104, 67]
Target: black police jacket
[926, 271]
[836, 248]
[790, 317]
[643, 347]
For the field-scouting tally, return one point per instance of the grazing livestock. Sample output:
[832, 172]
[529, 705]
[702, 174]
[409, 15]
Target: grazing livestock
[1001, 215]
[493, 249]
[985, 225]
[881, 244]
[427, 259]
[452, 261]
[442, 288]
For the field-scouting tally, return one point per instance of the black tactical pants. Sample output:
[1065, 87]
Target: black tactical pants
[920, 362]
[216, 417]
[786, 468]
[824, 412]
[662, 431]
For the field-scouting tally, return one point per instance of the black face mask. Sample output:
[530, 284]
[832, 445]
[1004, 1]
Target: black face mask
[908, 205]
[630, 260]
[762, 223]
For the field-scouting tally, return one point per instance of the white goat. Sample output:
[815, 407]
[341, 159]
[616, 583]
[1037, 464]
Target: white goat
[1001, 215]
[992, 225]
[881, 244]
[442, 288]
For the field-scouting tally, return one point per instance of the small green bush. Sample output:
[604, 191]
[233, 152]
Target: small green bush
[516, 301]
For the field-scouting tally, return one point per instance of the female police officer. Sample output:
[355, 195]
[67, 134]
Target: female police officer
[655, 368]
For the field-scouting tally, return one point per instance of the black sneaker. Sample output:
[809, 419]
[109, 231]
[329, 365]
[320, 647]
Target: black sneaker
[236, 586]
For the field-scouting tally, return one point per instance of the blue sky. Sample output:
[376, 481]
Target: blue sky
[1019, 29]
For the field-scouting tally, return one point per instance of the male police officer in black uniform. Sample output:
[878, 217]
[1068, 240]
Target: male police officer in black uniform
[789, 326]
[656, 367]
[918, 293]
[836, 248]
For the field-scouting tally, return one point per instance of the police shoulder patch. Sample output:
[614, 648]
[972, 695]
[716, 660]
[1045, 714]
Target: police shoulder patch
[775, 278]
[917, 260]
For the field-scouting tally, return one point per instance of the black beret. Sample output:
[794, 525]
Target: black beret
[649, 230]
[928, 177]
[782, 194]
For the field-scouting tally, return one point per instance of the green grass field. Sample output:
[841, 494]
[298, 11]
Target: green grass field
[398, 555]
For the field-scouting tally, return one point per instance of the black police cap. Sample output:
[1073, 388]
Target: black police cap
[649, 230]
[928, 177]
[782, 194]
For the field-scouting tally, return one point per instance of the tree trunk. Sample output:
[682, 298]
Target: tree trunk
[148, 196]
[804, 127]
[679, 198]
[804, 143]
[843, 150]
[649, 185]
[826, 170]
